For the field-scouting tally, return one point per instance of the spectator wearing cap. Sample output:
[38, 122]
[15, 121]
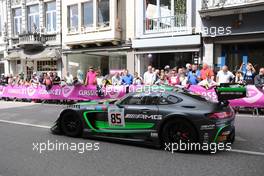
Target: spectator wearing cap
[90, 77]
[188, 68]
[207, 72]
[259, 79]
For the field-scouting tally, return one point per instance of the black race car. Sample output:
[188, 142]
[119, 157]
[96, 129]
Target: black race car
[155, 117]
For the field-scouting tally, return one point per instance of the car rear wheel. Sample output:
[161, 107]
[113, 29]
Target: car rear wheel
[71, 124]
[178, 131]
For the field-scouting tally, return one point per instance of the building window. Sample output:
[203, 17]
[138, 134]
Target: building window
[164, 14]
[17, 21]
[43, 66]
[87, 12]
[33, 18]
[51, 16]
[73, 18]
[103, 13]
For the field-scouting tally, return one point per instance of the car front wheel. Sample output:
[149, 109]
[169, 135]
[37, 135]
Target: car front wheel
[71, 124]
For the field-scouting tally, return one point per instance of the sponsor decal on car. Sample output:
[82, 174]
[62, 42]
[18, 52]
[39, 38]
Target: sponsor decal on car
[144, 116]
[207, 127]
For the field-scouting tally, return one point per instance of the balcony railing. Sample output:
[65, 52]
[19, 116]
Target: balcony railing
[213, 4]
[176, 23]
[35, 39]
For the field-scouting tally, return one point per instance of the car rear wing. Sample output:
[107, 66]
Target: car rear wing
[227, 92]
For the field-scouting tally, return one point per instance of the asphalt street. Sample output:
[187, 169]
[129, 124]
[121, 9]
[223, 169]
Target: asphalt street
[22, 125]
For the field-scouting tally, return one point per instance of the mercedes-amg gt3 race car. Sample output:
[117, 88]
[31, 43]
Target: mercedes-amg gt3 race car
[155, 117]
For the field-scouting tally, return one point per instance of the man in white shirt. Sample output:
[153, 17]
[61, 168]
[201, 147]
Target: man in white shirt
[149, 76]
[224, 76]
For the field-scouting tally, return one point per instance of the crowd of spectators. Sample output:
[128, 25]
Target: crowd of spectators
[182, 76]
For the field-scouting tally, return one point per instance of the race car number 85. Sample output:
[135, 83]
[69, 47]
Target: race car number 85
[116, 117]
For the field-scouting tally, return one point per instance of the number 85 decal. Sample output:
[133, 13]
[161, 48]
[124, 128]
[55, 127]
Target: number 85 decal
[116, 117]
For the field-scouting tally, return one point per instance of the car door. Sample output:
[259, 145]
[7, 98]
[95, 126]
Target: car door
[135, 113]
[141, 111]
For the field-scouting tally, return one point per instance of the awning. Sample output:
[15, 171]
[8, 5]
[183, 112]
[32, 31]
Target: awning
[176, 41]
[14, 55]
[46, 54]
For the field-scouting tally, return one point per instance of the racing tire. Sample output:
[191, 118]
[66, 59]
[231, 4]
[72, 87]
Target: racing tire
[71, 124]
[178, 132]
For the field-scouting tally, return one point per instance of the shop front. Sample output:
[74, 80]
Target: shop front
[107, 62]
[244, 43]
[243, 52]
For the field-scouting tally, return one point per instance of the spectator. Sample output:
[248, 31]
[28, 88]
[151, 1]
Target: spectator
[41, 77]
[162, 80]
[56, 79]
[80, 77]
[47, 82]
[149, 76]
[116, 79]
[259, 79]
[137, 79]
[207, 72]
[208, 82]
[76, 82]
[224, 76]
[188, 68]
[127, 79]
[182, 77]
[2, 80]
[27, 82]
[90, 77]
[11, 80]
[174, 79]
[249, 74]
[99, 78]
[239, 77]
[69, 79]
[194, 76]
[34, 80]
[157, 75]
[51, 75]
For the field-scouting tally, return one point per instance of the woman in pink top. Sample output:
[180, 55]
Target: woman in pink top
[174, 78]
[90, 77]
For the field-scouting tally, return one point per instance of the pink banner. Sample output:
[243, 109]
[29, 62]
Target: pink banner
[58, 92]
[255, 96]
